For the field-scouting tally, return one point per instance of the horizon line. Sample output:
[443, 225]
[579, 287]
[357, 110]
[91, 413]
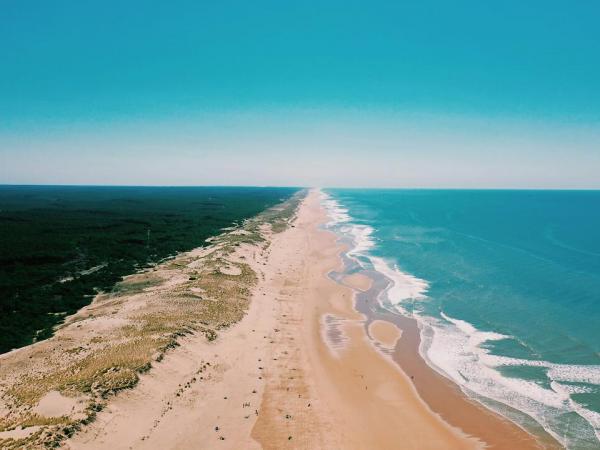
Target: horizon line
[406, 188]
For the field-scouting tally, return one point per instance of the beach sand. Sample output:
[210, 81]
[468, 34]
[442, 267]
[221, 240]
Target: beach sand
[298, 371]
[385, 333]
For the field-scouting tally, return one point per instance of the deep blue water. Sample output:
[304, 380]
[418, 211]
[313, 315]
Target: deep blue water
[512, 311]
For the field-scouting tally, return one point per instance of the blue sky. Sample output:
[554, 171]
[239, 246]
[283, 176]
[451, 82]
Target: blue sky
[408, 94]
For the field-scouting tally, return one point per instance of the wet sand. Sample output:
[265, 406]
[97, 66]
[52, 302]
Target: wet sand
[358, 281]
[385, 333]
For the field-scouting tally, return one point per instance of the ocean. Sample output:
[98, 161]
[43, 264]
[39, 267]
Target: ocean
[505, 286]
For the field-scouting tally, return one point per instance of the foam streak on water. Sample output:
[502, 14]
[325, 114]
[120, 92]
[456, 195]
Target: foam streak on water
[458, 350]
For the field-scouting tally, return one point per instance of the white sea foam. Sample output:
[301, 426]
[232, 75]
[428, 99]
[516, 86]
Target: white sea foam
[336, 213]
[457, 349]
[403, 289]
[361, 237]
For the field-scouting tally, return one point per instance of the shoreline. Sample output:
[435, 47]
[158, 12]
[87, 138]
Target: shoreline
[351, 397]
[441, 394]
[304, 367]
[273, 382]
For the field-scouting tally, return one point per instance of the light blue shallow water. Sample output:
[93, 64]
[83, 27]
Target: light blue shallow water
[512, 309]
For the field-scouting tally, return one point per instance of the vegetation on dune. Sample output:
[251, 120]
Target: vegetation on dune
[61, 245]
[211, 291]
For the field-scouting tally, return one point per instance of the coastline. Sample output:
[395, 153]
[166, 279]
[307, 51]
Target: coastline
[273, 382]
[298, 370]
[441, 394]
[343, 395]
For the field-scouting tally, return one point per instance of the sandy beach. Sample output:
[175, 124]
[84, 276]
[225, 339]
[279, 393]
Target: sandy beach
[299, 370]
[273, 381]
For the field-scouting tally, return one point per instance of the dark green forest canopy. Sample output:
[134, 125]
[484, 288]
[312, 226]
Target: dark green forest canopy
[59, 245]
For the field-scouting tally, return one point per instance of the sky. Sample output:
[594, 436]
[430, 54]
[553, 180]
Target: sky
[430, 93]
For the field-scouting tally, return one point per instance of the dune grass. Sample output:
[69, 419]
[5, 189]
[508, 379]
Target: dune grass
[205, 300]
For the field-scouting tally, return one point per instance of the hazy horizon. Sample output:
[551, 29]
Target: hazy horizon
[381, 188]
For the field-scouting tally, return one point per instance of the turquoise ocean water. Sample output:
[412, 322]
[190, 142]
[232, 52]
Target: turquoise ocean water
[505, 286]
